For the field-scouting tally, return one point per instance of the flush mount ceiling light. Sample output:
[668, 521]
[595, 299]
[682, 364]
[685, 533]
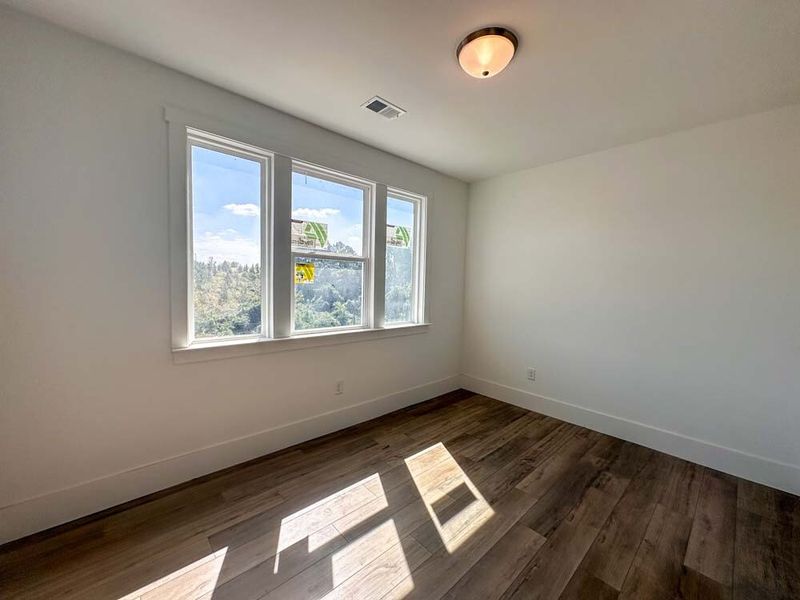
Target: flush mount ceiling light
[486, 52]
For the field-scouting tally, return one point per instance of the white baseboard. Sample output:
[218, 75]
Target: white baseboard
[769, 472]
[60, 506]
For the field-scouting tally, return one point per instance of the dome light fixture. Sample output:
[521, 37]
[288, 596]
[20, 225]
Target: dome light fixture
[486, 52]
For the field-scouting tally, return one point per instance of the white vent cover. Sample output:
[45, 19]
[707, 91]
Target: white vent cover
[383, 107]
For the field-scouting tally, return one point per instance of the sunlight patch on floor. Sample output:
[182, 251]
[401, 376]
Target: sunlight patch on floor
[193, 580]
[401, 590]
[310, 522]
[455, 505]
[381, 542]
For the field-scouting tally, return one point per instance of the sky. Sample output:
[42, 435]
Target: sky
[340, 206]
[226, 196]
[399, 212]
[226, 201]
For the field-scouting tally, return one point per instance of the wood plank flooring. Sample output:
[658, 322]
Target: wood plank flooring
[460, 497]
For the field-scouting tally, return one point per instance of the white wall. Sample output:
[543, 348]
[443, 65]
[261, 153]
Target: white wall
[92, 409]
[656, 289]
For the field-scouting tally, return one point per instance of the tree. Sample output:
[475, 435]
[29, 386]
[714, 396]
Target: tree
[227, 295]
[227, 299]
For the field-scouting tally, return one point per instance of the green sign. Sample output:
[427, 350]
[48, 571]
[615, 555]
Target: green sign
[397, 235]
[309, 234]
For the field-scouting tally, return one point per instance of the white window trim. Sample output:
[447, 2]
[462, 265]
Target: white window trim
[277, 267]
[234, 348]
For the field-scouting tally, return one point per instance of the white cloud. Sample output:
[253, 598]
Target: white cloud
[352, 236]
[355, 243]
[227, 245]
[314, 213]
[243, 210]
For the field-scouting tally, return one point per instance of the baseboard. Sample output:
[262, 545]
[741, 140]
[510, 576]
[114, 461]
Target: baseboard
[769, 472]
[60, 506]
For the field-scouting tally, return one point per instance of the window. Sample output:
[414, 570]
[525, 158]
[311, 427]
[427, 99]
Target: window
[330, 249]
[227, 196]
[267, 248]
[402, 235]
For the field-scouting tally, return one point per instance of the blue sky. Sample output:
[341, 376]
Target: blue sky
[340, 206]
[226, 198]
[226, 193]
[399, 212]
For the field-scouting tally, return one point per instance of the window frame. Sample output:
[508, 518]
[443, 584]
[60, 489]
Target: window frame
[365, 258]
[210, 141]
[418, 274]
[253, 142]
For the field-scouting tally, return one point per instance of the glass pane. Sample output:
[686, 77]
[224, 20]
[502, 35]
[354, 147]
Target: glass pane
[327, 215]
[328, 293]
[400, 242]
[226, 207]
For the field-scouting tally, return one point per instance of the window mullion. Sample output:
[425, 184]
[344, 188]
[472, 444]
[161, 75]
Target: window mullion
[266, 240]
[282, 280]
[379, 258]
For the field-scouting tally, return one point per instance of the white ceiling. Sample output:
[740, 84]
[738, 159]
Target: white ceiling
[588, 75]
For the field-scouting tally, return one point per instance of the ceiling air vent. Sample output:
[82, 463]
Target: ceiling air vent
[383, 108]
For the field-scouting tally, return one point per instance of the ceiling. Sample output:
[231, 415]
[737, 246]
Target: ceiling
[588, 75]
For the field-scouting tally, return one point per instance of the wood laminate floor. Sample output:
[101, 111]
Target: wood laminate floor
[459, 497]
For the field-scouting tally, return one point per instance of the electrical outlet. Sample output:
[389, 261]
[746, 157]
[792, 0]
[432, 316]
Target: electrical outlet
[339, 388]
[531, 373]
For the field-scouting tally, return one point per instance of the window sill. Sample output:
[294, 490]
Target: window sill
[200, 352]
